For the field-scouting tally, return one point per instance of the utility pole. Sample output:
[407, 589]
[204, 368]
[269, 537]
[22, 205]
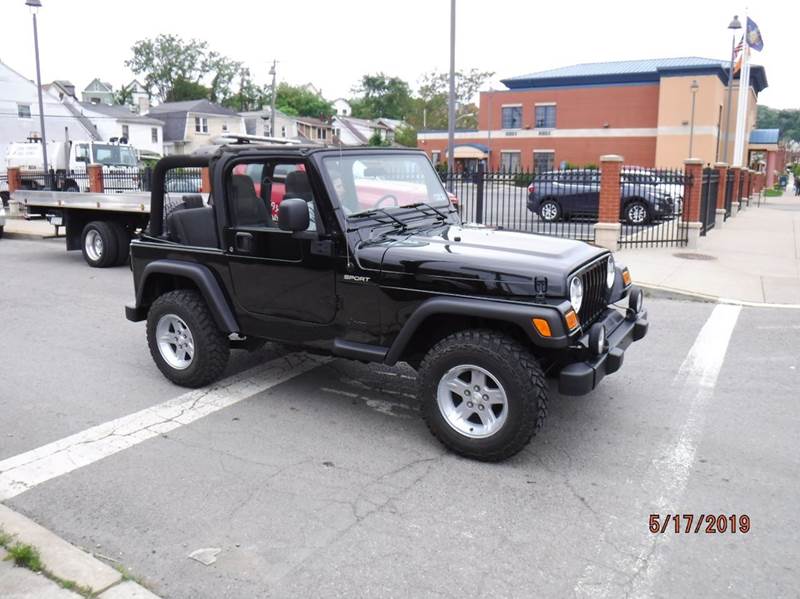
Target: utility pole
[273, 71]
[35, 5]
[451, 101]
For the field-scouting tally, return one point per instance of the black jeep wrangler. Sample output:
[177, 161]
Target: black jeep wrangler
[368, 260]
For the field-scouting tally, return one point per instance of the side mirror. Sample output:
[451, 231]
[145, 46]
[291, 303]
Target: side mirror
[293, 215]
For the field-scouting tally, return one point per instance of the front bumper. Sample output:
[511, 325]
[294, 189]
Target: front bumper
[581, 377]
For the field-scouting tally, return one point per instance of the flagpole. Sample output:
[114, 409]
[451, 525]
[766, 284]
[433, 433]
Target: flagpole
[741, 108]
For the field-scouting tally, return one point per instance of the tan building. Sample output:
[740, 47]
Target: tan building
[639, 109]
[192, 124]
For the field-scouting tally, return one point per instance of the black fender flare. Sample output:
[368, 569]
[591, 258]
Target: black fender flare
[205, 281]
[515, 313]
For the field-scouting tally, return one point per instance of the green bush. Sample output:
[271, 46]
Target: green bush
[522, 179]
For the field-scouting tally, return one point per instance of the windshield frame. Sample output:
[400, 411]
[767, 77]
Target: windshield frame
[320, 163]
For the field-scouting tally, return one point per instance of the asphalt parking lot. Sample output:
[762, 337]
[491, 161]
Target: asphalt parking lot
[317, 478]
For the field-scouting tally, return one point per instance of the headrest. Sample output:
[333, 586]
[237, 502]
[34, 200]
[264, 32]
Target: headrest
[297, 184]
[243, 186]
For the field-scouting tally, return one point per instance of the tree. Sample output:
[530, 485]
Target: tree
[298, 101]
[250, 96]
[123, 96]
[431, 108]
[166, 59]
[382, 96]
[184, 89]
[406, 136]
[787, 120]
[376, 139]
[225, 71]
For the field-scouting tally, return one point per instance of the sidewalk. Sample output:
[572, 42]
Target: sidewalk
[19, 228]
[754, 257]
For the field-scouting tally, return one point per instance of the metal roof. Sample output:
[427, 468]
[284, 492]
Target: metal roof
[765, 136]
[630, 71]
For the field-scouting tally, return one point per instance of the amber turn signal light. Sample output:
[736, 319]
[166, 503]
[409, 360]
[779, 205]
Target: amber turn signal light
[626, 277]
[572, 320]
[542, 327]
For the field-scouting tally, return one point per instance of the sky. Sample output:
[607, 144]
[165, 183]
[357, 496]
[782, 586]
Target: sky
[332, 44]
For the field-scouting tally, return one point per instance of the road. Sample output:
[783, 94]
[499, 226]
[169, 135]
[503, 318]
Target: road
[320, 480]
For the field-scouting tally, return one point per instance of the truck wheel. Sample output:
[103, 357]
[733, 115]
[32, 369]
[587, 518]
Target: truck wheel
[99, 244]
[1, 231]
[71, 186]
[484, 394]
[123, 243]
[184, 341]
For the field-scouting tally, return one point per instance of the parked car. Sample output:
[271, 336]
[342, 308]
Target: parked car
[667, 183]
[560, 195]
[385, 272]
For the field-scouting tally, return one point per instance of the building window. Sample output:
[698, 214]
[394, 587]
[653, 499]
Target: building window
[324, 133]
[546, 116]
[436, 156]
[283, 131]
[543, 162]
[154, 135]
[509, 161]
[512, 117]
[201, 124]
[125, 131]
[224, 127]
[24, 111]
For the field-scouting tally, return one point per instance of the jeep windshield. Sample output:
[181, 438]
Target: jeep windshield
[384, 183]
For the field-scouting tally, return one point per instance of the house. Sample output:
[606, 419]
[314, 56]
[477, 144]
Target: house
[341, 107]
[61, 88]
[98, 92]
[139, 96]
[639, 109]
[256, 122]
[19, 107]
[314, 130]
[146, 134]
[194, 123]
[350, 131]
[765, 153]
[393, 125]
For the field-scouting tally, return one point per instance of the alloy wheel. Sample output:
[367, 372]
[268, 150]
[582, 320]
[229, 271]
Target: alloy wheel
[175, 341]
[472, 401]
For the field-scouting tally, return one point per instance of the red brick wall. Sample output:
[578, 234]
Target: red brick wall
[621, 106]
[608, 211]
[639, 151]
[692, 195]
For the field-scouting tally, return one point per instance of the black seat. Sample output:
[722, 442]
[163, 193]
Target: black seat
[249, 209]
[298, 186]
[193, 226]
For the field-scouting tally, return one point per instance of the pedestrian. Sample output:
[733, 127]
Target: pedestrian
[796, 185]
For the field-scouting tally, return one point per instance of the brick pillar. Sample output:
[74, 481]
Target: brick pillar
[737, 173]
[95, 174]
[205, 178]
[14, 179]
[722, 171]
[693, 167]
[607, 228]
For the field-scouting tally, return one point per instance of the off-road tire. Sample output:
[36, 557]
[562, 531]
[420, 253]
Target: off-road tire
[109, 237]
[123, 243]
[211, 345]
[1, 232]
[513, 365]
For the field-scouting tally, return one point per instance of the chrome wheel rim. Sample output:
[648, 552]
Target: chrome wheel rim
[94, 245]
[549, 211]
[637, 214]
[472, 401]
[175, 341]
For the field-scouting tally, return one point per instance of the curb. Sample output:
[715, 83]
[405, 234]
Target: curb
[657, 291]
[68, 562]
[27, 236]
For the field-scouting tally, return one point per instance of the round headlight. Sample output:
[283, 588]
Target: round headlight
[576, 293]
[611, 272]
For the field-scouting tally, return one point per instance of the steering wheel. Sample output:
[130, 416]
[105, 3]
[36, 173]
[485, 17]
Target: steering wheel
[384, 198]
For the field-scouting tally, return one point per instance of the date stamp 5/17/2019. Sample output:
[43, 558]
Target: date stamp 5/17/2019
[703, 523]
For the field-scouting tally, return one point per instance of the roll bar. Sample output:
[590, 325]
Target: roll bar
[156, 224]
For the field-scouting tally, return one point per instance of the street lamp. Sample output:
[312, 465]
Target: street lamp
[733, 26]
[694, 87]
[35, 5]
[451, 100]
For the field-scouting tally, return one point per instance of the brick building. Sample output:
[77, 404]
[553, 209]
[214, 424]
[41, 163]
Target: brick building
[639, 109]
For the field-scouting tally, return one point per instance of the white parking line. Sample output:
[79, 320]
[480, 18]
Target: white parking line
[639, 561]
[26, 470]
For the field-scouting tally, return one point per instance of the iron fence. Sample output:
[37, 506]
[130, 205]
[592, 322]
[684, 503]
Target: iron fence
[556, 203]
[729, 193]
[652, 204]
[184, 180]
[708, 200]
[739, 195]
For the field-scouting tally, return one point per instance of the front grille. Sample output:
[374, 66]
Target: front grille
[595, 292]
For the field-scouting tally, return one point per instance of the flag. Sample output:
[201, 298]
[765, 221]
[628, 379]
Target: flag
[738, 54]
[754, 39]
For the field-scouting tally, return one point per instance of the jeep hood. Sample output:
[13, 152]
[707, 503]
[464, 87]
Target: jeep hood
[476, 257]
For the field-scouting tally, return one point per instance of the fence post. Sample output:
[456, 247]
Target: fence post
[722, 171]
[737, 173]
[479, 191]
[95, 174]
[745, 188]
[693, 188]
[205, 180]
[607, 227]
[14, 183]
